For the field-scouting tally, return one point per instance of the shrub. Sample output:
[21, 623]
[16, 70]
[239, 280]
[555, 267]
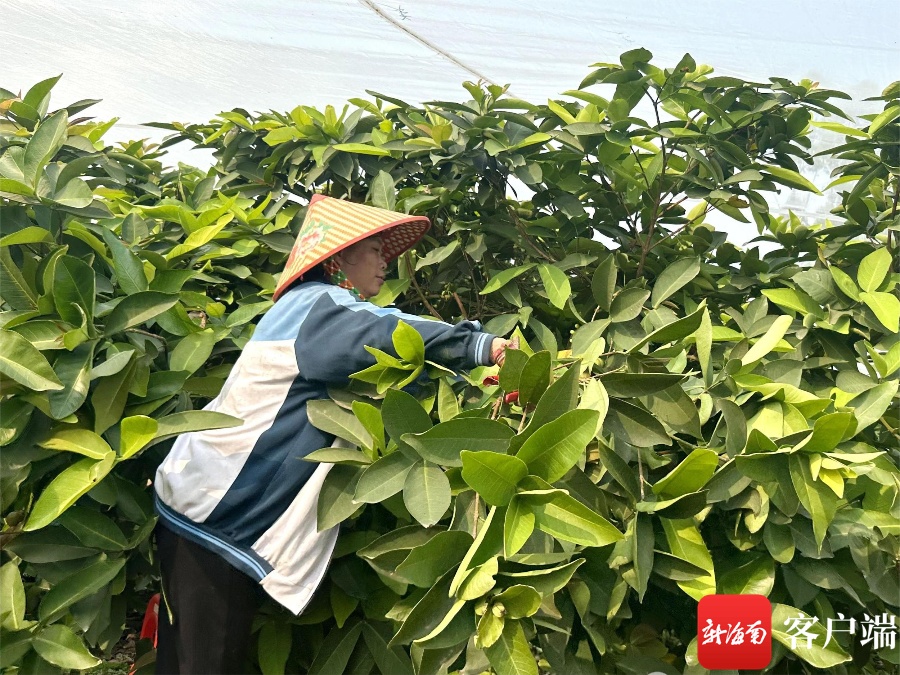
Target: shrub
[691, 417]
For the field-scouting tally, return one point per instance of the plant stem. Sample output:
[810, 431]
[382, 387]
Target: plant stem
[462, 310]
[418, 288]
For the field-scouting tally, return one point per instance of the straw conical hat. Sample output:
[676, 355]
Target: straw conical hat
[334, 224]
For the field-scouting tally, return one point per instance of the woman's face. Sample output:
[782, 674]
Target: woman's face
[364, 265]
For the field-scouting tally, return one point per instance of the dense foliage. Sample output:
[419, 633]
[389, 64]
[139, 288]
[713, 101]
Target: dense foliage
[691, 417]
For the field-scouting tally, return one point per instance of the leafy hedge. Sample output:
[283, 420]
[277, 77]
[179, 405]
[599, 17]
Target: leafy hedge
[691, 417]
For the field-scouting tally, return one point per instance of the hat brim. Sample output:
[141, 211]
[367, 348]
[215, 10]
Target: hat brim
[399, 232]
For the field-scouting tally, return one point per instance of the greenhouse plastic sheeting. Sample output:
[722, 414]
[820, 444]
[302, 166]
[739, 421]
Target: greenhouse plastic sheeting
[186, 60]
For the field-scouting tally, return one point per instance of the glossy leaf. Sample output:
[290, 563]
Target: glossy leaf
[493, 475]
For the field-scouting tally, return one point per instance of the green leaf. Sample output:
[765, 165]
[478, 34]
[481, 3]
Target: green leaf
[568, 519]
[426, 493]
[556, 447]
[502, 278]
[883, 119]
[67, 488]
[193, 420]
[61, 647]
[676, 330]
[336, 455]
[790, 178]
[828, 431]
[36, 95]
[403, 414]
[81, 441]
[79, 585]
[586, 335]
[870, 405]
[428, 613]
[328, 416]
[535, 377]
[767, 342]
[109, 397]
[274, 647]
[634, 425]
[425, 564]
[814, 651]
[137, 309]
[489, 629]
[336, 497]
[448, 405]
[246, 313]
[382, 193]
[546, 581]
[675, 276]
[818, 284]
[818, 500]
[192, 351]
[478, 581]
[361, 149]
[754, 577]
[511, 371]
[493, 475]
[443, 443]
[519, 601]
[135, 432]
[74, 371]
[517, 526]
[632, 385]
[389, 660]
[27, 235]
[408, 343]
[641, 542]
[885, 306]
[487, 544]
[23, 363]
[844, 282]
[686, 543]
[628, 304]
[557, 285]
[336, 650]
[47, 139]
[16, 292]
[12, 594]
[94, 529]
[873, 269]
[691, 474]
[677, 409]
[779, 542]
[511, 655]
[73, 284]
[383, 479]
[15, 646]
[794, 300]
[603, 283]
[128, 267]
[436, 255]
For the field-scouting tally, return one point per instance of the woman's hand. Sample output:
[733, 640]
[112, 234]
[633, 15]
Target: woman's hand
[499, 347]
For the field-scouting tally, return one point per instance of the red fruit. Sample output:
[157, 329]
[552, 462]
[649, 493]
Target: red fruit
[490, 381]
[511, 397]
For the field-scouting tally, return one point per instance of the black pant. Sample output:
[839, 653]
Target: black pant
[212, 606]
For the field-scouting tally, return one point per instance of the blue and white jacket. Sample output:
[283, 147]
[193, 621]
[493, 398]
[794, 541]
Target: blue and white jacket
[242, 492]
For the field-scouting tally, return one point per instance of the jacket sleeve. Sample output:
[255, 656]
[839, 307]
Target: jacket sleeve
[330, 342]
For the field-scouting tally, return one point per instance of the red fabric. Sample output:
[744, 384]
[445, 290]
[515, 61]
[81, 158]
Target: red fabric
[151, 620]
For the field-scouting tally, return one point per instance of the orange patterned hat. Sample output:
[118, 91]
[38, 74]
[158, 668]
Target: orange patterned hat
[332, 225]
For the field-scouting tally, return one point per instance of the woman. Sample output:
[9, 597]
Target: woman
[237, 510]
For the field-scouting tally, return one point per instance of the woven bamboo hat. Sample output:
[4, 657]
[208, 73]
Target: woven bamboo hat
[332, 225]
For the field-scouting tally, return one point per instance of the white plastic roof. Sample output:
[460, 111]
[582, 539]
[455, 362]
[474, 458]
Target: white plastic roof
[186, 60]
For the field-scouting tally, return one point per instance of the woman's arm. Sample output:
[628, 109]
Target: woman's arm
[331, 339]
